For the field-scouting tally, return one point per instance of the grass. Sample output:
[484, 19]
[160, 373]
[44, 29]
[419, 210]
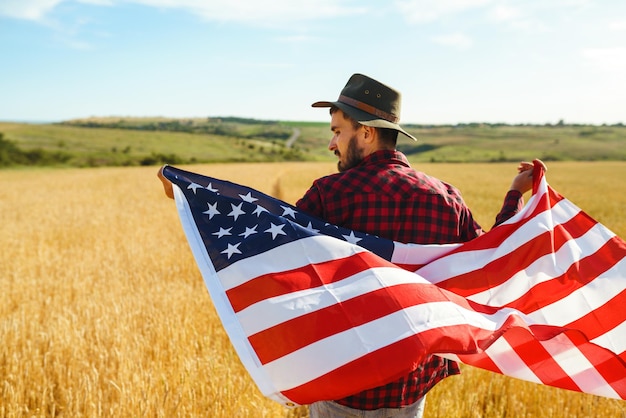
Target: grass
[149, 141]
[489, 143]
[105, 314]
[94, 147]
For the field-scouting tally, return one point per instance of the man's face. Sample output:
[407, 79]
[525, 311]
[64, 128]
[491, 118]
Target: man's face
[345, 142]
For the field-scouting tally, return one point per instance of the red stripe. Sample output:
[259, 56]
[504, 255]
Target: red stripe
[480, 360]
[391, 362]
[306, 277]
[602, 319]
[576, 277]
[499, 271]
[538, 359]
[374, 369]
[366, 372]
[544, 366]
[409, 267]
[296, 333]
[612, 368]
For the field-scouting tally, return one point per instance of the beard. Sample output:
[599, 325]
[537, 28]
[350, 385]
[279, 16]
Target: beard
[353, 157]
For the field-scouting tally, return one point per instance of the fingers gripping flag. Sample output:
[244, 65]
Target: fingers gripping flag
[319, 312]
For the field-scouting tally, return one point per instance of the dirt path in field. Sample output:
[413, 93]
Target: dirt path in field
[294, 136]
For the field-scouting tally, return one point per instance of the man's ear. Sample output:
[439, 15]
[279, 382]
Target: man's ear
[369, 133]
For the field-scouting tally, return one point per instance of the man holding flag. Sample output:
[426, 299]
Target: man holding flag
[377, 192]
[316, 311]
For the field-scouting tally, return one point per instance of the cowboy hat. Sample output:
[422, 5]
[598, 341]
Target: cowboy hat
[370, 103]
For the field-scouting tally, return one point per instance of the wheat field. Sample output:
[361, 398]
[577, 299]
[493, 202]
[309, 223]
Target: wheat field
[104, 313]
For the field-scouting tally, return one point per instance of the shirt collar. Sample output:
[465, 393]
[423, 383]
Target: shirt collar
[387, 156]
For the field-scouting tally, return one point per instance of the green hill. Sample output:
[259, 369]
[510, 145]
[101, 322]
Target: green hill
[153, 141]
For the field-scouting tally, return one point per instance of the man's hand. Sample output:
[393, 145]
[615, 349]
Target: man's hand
[523, 182]
[167, 185]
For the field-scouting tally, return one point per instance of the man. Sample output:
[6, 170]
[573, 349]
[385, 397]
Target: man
[377, 192]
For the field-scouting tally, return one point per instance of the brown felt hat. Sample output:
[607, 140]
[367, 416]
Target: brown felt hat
[370, 103]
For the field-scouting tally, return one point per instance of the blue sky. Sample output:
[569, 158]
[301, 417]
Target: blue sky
[455, 61]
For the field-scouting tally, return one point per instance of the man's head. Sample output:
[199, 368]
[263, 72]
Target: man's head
[352, 142]
[369, 102]
[363, 120]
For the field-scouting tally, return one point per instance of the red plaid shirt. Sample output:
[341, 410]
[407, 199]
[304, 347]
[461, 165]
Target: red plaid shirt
[384, 196]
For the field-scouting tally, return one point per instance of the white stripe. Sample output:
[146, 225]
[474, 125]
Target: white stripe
[578, 367]
[323, 356]
[509, 363]
[293, 255]
[585, 299]
[544, 268]
[614, 339]
[273, 311]
[419, 254]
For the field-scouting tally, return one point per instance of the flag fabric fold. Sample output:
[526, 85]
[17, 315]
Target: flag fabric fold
[318, 312]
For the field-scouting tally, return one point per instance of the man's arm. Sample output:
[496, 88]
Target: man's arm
[311, 202]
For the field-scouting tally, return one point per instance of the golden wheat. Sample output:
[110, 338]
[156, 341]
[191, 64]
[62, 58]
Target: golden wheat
[104, 312]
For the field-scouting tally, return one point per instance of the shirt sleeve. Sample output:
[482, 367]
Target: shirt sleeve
[311, 202]
[513, 203]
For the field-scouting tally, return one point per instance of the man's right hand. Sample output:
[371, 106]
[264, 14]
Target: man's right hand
[167, 185]
[523, 182]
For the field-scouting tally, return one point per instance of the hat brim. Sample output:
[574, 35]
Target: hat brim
[364, 118]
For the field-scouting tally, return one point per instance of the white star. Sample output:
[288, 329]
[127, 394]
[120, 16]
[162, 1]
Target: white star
[259, 209]
[222, 232]
[232, 249]
[310, 228]
[248, 198]
[352, 239]
[249, 231]
[212, 211]
[211, 189]
[276, 230]
[288, 211]
[194, 187]
[236, 211]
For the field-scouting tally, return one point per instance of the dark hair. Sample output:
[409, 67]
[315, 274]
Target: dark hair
[387, 136]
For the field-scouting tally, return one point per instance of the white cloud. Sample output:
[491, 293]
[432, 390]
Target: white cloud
[606, 59]
[456, 40]
[268, 11]
[257, 11]
[429, 10]
[618, 26]
[504, 13]
[525, 15]
[27, 9]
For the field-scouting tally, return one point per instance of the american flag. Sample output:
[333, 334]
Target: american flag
[318, 312]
